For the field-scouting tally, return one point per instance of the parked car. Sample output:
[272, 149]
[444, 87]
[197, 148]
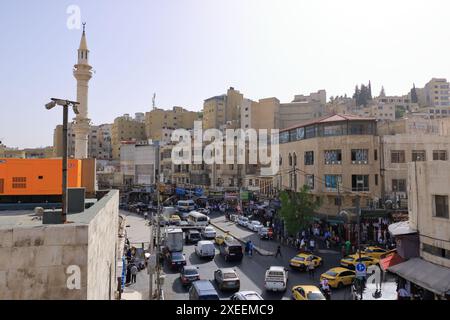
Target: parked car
[176, 260]
[203, 290]
[246, 295]
[307, 293]
[231, 250]
[188, 275]
[265, 233]
[192, 236]
[205, 249]
[276, 279]
[242, 221]
[227, 279]
[254, 225]
[209, 233]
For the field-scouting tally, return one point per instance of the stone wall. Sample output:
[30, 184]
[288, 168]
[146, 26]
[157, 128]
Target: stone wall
[34, 260]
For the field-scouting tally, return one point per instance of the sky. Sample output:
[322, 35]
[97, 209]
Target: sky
[186, 51]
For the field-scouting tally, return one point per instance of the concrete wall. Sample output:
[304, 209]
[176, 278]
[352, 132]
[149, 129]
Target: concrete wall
[34, 260]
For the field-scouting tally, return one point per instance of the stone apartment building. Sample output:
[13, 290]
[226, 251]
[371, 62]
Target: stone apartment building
[139, 162]
[223, 109]
[125, 128]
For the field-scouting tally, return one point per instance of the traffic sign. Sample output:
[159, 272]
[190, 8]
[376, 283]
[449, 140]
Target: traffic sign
[361, 270]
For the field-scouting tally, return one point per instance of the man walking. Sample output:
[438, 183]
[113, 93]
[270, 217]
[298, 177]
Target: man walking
[311, 269]
[312, 245]
[278, 253]
[250, 249]
[134, 271]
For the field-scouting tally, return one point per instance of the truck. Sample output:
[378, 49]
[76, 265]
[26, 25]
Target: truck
[276, 279]
[174, 239]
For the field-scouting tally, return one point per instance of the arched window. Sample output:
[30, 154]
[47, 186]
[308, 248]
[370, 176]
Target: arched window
[290, 160]
[281, 160]
[295, 159]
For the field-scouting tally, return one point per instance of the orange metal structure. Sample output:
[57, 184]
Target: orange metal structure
[36, 177]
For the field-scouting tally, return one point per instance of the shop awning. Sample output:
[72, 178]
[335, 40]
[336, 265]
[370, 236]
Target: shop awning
[400, 228]
[390, 261]
[427, 275]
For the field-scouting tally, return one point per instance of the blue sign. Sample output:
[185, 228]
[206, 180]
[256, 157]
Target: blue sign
[180, 191]
[360, 267]
[198, 192]
[124, 269]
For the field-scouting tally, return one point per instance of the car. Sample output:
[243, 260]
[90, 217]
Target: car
[176, 260]
[231, 250]
[246, 295]
[204, 211]
[301, 261]
[174, 220]
[227, 279]
[192, 236]
[221, 238]
[352, 260]
[338, 277]
[254, 225]
[188, 275]
[303, 292]
[276, 279]
[205, 249]
[209, 233]
[242, 221]
[203, 290]
[374, 252]
[265, 233]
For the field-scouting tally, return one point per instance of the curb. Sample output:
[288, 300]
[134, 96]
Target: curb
[261, 252]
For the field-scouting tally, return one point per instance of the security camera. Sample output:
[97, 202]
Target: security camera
[50, 105]
[75, 109]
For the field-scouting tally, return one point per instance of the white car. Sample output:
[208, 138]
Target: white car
[242, 221]
[205, 249]
[276, 279]
[209, 233]
[246, 295]
[254, 225]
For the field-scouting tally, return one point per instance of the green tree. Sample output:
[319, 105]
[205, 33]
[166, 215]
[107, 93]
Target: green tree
[414, 98]
[297, 209]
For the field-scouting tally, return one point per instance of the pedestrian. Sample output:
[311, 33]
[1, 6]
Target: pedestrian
[312, 245]
[347, 247]
[134, 271]
[247, 247]
[145, 215]
[343, 250]
[278, 253]
[250, 249]
[302, 244]
[311, 269]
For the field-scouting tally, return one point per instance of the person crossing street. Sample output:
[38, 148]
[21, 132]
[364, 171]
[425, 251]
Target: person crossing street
[278, 253]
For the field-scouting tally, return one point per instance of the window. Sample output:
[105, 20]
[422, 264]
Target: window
[309, 181]
[440, 206]
[398, 156]
[360, 156]
[436, 251]
[290, 160]
[333, 130]
[332, 181]
[19, 182]
[284, 137]
[399, 185]
[309, 158]
[295, 159]
[360, 183]
[440, 155]
[375, 154]
[40, 177]
[418, 155]
[376, 179]
[310, 132]
[333, 156]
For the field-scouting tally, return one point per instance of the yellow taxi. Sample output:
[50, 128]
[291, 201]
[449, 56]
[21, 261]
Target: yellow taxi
[221, 238]
[338, 277]
[374, 252]
[352, 260]
[301, 261]
[307, 293]
[174, 219]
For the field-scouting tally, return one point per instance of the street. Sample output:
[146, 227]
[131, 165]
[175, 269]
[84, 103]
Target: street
[251, 270]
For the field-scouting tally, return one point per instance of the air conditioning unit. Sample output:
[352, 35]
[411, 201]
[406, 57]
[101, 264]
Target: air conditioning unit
[359, 162]
[365, 161]
[353, 162]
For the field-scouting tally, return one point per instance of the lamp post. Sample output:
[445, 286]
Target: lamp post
[65, 104]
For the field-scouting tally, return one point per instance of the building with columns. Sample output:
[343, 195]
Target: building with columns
[83, 73]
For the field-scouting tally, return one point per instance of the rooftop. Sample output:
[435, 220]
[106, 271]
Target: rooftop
[330, 118]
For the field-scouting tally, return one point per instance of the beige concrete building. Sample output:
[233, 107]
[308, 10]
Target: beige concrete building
[28, 153]
[140, 162]
[159, 123]
[218, 111]
[125, 128]
[336, 156]
[401, 149]
[302, 109]
[260, 115]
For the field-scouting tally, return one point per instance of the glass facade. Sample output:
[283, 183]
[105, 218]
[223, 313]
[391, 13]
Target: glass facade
[329, 130]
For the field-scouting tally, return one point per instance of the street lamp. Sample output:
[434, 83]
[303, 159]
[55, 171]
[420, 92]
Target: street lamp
[65, 104]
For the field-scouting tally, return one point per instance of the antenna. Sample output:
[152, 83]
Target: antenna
[154, 101]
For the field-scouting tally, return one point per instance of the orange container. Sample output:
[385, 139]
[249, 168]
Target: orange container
[20, 177]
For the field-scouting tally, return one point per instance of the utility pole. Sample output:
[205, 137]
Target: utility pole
[358, 216]
[158, 246]
[149, 267]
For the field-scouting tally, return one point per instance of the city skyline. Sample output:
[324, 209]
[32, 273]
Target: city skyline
[271, 50]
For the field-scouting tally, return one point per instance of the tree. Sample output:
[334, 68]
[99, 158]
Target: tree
[297, 209]
[414, 98]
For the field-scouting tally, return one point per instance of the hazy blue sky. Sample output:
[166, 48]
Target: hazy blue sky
[189, 50]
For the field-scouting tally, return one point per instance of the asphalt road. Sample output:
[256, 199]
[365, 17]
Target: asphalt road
[251, 270]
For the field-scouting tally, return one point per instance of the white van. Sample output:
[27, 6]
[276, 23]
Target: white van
[205, 249]
[197, 219]
[276, 279]
[185, 205]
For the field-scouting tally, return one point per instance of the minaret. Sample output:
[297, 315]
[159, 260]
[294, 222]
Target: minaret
[82, 72]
